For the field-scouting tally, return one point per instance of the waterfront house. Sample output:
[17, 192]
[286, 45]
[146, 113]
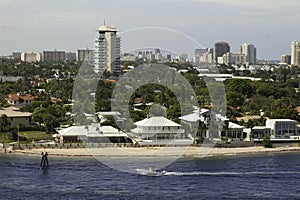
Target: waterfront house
[259, 132]
[94, 133]
[16, 117]
[160, 130]
[282, 128]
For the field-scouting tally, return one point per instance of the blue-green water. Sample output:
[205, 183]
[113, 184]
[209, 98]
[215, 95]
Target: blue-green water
[269, 176]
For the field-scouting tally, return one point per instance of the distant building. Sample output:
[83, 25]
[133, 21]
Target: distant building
[295, 53]
[230, 58]
[30, 57]
[54, 56]
[182, 57]
[282, 128]
[206, 58]
[199, 52]
[107, 50]
[286, 59]
[19, 99]
[16, 117]
[83, 54]
[259, 132]
[233, 131]
[94, 133]
[168, 57]
[17, 55]
[70, 56]
[158, 129]
[220, 48]
[250, 51]
[128, 57]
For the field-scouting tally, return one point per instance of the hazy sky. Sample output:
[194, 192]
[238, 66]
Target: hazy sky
[36, 25]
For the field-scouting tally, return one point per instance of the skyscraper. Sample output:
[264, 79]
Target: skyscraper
[250, 51]
[295, 53]
[286, 59]
[220, 48]
[54, 56]
[107, 50]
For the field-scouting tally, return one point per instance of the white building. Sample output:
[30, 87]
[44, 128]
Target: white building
[107, 50]
[30, 57]
[94, 133]
[282, 128]
[158, 129]
[249, 51]
[206, 58]
[295, 53]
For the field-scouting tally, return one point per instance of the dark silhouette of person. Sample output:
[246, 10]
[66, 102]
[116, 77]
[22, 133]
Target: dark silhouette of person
[44, 161]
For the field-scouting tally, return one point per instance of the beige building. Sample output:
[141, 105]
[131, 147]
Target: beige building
[16, 117]
[250, 51]
[230, 58]
[295, 53]
[286, 59]
[54, 56]
[30, 57]
[107, 50]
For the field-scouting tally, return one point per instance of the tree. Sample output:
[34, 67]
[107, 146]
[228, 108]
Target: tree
[38, 114]
[267, 142]
[5, 124]
[235, 99]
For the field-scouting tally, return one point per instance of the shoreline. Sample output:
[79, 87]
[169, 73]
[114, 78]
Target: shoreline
[159, 152]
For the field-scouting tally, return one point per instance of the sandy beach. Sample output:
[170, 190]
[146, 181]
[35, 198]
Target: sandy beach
[155, 151]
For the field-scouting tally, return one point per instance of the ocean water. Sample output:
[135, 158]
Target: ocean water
[268, 176]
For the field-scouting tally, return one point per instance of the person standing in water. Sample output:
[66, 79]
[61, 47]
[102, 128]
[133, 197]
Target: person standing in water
[44, 161]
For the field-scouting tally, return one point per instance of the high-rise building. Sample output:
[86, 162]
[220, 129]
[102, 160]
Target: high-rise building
[70, 56]
[54, 56]
[198, 53]
[83, 54]
[16, 55]
[220, 48]
[286, 59]
[107, 50]
[30, 57]
[295, 53]
[250, 51]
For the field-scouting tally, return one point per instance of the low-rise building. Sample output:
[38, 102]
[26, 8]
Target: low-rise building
[94, 133]
[16, 117]
[20, 99]
[259, 132]
[158, 129]
[282, 128]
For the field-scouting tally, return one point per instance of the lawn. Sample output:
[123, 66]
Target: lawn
[35, 135]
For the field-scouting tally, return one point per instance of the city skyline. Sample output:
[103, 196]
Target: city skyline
[34, 26]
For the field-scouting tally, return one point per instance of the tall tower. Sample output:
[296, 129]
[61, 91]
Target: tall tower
[295, 53]
[220, 49]
[250, 51]
[107, 50]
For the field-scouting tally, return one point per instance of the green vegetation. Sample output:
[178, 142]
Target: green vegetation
[274, 96]
[267, 142]
[30, 136]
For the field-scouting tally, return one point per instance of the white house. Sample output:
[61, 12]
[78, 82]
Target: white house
[282, 128]
[155, 129]
[94, 133]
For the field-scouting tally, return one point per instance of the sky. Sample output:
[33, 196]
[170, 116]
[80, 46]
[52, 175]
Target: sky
[181, 25]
